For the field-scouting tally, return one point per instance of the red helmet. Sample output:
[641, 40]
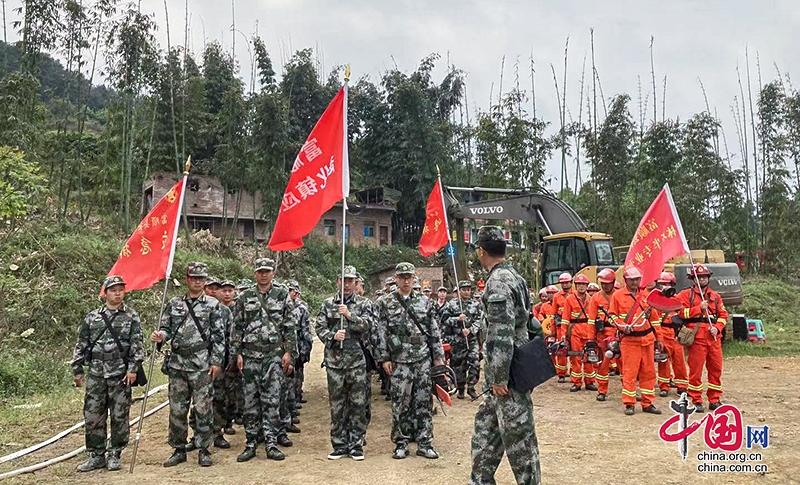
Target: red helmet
[667, 278]
[631, 273]
[606, 276]
[581, 279]
[551, 289]
[593, 287]
[617, 286]
[699, 270]
[542, 292]
[565, 278]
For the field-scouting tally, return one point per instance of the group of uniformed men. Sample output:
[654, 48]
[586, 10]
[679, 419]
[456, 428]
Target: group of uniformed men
[615, 323]
[258, 341]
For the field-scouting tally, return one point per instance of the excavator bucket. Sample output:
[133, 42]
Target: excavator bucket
[663, 303]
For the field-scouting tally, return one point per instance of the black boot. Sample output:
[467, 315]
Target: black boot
[204, 457]
[292, 429]
[590, 387]
[221, 442]
[95, 462]
[191, 446]
[574, 388]
[461, 393]
[284, 441]
[471, 393]
[179, 456]
[273, 453]
[651, 409]
[248, 453]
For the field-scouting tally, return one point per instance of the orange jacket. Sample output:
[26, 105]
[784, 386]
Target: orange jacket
[559, 300]
[537, 311]
[597, 311]
[575, 314]
[624, 302]
[692, 314]
[547, 318]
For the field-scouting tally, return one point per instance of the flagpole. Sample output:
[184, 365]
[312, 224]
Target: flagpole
[451, 248]
[345, 188]
[138, 435]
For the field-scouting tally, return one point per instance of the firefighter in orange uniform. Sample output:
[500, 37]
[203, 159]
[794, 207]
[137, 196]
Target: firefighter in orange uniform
[702, 305]
[605, 330]
[630, 313]
[574, 317]
[559, 300]
[677, 359]
[537, 308]
[592, 289]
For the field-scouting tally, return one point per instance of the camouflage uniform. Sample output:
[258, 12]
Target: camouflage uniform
[408, 349]
[346, 367]
[463, 350]
[305, 342]
[194, 350]
[221, 383]
[504, 424]
[263, 331]
[105, 392]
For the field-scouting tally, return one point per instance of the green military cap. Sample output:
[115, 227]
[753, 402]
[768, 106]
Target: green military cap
[197, 269]
[112, 281]
[359, 277]
[389, 281]
[417, 284]
[293, 285]
[244, 284]
[465, 284]
[404, 268]
[490, 234]
[211, 281]
[350, 272]
[442, 288]
[265, 263]
[227, 283]
[427, 288]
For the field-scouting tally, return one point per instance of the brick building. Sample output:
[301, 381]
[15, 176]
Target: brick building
[208, 206]
[369, 218]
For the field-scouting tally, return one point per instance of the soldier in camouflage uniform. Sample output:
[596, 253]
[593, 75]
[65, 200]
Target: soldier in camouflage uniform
[406, 349]
[341, 326]
[264, 341]
[231, 404]
[112, 372]
[504, 421]
[461, 320]
[195, 327]
[305, 342]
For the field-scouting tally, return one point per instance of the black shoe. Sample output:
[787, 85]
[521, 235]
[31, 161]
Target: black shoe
[95, 462]
[248, 453]
[204, 457]
[663, 393]
[400, 452]
[562, 379]
[574, 388]
[590, 387]
[638, 398]
[428, 453]
[191, 446]
[651, 409]
[113, 462]
[698, 408]
[472, 393]
[220, 442]
[681, 391]
[460, 394]
[629, 411]
[357, 454]
[714, 405]
[284, 441]
[273, 453]
[601, 397]
[239, 421]
[338, 454]
[302, 400]
[292, 429]
[179, 456]
[229, 430]
[298, 406]
[387, 398]
[384, 392]
[672, 384]
[295, 420]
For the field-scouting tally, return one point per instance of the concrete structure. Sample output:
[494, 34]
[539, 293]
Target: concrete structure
[207, 206]
[369, 218]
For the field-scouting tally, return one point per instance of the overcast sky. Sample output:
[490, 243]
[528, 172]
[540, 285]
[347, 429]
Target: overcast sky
[693, 39]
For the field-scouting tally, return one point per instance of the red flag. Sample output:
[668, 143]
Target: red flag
[320, 178]
[147, 255]
[434, 234]
[658, 238]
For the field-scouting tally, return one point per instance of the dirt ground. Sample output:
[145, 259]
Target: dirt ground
[580, 441]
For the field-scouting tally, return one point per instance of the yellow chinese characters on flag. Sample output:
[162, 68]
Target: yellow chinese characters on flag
[434, 234]
[147, 255]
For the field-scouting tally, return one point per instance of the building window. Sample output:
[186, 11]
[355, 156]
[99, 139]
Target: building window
[369, 229]
[384, 235]
[347, 234]
[329, 227]
[202, 225]
[249, 229]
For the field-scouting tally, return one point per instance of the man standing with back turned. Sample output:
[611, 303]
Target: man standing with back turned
[504, 421]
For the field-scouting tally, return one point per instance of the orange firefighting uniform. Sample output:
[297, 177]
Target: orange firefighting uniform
[706, 349]
[557, 309]
[637, 347]
[677, 359]
[597, 312]
[575, 319]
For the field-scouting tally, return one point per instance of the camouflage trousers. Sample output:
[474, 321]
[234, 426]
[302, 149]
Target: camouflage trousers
[464, 361]
[263, 386]
[288, 409]
[412, 405]
[347, 394]
[104, 397]
[193, 387]
[505, 424]
[234, 396]
[299, 378]
[220, 404]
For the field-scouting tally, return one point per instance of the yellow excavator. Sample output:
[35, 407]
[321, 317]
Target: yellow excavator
[569, 245]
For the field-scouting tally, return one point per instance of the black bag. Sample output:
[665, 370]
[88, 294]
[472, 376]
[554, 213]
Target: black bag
[530, 366]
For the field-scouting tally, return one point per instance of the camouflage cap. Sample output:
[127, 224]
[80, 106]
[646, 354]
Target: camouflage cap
[112, 281]
[404, 268]
[197, 269]
[389, 281]
[490, 234]
[417, 285]
[225, 283]
[211, 281]
[293, 285]
[244, 284]
[359, 277]
[264, 263]
[427, 288]
[442, 288]
[350, 272]
[465, 284]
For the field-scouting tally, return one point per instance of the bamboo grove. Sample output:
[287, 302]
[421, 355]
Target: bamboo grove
[80, 150]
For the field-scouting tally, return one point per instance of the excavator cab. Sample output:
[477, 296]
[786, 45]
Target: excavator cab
[575, 252]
